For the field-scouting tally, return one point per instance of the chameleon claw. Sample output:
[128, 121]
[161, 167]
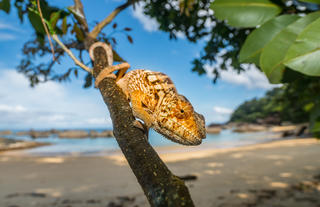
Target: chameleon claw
[138, 124]
[108, 72]
[102, 76]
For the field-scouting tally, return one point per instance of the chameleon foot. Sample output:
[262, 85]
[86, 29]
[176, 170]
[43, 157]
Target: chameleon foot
[138, 124]
[108, 72]
[102, 75]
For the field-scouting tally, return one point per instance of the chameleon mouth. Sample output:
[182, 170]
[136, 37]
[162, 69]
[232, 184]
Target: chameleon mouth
[191, 139]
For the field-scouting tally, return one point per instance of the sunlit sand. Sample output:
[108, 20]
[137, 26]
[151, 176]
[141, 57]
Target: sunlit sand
[226, 177]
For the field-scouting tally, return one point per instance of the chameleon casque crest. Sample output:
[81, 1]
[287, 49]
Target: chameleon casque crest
[154, 99]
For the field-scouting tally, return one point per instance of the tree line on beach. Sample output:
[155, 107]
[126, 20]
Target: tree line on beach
[291, 103]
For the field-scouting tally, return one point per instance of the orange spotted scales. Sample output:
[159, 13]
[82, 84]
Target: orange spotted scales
[154, 99]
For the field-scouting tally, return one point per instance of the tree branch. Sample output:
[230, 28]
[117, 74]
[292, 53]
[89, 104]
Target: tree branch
[45, 28]
[160, 186]
[97, 29]
[77, 11]
[76, 61]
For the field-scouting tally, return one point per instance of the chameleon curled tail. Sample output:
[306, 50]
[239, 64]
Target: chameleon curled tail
[155, 100]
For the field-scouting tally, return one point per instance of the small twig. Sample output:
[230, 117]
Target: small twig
[76, 61]
[97, 29]
[46, 29]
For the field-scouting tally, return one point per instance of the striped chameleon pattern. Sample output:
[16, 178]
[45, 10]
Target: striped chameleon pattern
[154, 99]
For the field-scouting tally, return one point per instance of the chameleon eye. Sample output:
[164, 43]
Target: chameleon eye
[182, 111]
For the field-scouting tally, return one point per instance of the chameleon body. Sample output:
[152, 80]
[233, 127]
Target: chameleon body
[154, 99]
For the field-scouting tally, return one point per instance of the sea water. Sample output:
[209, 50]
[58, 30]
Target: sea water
[101, 146]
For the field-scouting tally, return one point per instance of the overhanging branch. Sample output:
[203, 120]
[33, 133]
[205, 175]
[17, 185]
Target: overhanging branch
[97, 29]
[76, 61]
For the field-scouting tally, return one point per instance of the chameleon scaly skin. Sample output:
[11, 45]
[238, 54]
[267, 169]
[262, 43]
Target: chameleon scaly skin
[155, 100]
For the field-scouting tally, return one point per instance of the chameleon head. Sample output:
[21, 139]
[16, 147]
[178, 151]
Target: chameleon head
[177, 121]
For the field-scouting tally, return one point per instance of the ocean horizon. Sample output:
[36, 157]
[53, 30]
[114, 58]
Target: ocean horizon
[106, 146]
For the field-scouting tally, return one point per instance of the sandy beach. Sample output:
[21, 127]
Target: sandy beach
[280, 173]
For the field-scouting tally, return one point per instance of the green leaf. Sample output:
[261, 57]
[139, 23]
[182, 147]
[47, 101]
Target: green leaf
[88, 81]
[36, 22]
[76, 73]
[54, 18]
[252, 47]
[304, 55]
[64, 25]
[245, 13]
[315, 120]
[130, 39]
[312, 1]
[308, 106]
[5, 6]
[116, 57]
[273, 54]
[79, 33]
[316, 127]
[290, 75]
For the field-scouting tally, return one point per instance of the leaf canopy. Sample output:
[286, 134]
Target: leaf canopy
[252, 47]
[245, 13]
[273, 54]
[304, 55]
[5, 6]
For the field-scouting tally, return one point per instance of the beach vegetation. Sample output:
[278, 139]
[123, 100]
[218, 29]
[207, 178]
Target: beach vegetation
[294, 103]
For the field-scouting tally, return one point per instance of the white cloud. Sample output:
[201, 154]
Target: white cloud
[180, 35]
[4, 26]
[49, 105]
[99, 120]
[9, 31]
[218, 114]
[251, 78]
[6, 37]
[222, 110]
[10, 108]
[148, 23]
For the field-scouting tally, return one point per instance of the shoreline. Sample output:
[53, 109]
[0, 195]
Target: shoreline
[211, 143]
[180, 153]
[169, 153]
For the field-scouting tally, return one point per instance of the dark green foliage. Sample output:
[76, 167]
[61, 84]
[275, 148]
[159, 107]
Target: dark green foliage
[37, 63]
[88, 81]
[196, 21]
[253, 110]
[5, 5]
[297, 102]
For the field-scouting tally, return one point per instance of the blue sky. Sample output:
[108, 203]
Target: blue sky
[67, 105]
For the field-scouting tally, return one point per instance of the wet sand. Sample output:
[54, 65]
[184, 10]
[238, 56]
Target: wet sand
[280, 173]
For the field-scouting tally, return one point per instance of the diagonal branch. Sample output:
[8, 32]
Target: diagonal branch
[45, 28]
[76, 61]
[97, 29]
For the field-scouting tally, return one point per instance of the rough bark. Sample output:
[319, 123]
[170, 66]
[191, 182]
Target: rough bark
[161, 187]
